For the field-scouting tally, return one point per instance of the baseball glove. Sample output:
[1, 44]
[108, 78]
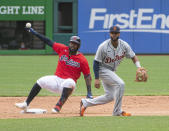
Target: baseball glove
[141, 75]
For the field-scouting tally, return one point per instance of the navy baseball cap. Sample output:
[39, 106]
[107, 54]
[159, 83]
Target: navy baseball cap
[114, 29]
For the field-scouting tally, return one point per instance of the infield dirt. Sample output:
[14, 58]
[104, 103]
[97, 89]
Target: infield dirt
[137, 105]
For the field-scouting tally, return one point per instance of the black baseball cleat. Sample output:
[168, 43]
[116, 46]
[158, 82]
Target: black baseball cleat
[82, 109]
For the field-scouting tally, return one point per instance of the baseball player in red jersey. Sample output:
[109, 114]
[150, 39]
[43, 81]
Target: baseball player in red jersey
[70, 65]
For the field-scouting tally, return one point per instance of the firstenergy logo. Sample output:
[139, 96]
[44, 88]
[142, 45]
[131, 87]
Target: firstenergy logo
[142, 20]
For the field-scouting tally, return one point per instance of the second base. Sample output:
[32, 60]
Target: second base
[34, 111]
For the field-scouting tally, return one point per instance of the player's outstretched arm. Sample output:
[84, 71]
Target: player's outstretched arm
[41, 37]
[88, 85]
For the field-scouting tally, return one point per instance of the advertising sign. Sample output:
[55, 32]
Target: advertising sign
[144, 24]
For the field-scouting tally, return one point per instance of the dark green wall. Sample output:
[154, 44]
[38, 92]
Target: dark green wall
[64, 37]
[20, 12]
[50, 17]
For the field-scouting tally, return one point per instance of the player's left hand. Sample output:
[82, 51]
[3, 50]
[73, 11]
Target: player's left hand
[141, 75]
[89, 95]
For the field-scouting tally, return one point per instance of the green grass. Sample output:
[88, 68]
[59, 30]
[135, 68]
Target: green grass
[143, 123]
[19, 73]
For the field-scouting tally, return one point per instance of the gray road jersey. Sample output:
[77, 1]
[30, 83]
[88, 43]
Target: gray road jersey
[111, 57]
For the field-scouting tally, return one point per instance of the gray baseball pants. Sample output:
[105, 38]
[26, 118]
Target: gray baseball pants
[114, 89]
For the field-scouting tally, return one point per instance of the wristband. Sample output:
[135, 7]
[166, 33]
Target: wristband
[137, 64]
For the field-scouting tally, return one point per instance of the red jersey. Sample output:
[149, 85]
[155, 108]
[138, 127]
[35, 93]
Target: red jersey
[70, 67]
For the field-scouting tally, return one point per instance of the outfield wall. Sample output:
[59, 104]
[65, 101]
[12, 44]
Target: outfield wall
[144, 24]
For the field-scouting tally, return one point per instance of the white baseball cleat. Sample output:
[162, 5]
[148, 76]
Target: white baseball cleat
[22, 105]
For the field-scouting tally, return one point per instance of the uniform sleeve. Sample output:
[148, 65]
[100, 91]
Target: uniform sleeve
[129, 52]
[85, 67]
[57, 47]
[99, 54]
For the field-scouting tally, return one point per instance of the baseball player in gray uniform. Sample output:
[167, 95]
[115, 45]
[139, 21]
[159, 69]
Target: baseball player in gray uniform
[108, 56]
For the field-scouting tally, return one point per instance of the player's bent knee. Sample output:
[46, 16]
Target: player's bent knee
[109, 97]
[45, 81]
[69, 83]
[121, 84]
[41, 82]
[121, 87]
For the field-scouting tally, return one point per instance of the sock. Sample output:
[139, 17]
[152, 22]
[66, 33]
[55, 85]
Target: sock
[65, 94]
[35, 90]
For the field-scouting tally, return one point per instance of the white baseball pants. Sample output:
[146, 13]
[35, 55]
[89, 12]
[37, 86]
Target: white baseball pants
[56, 84]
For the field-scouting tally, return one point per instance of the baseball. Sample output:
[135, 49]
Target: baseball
[28, 25]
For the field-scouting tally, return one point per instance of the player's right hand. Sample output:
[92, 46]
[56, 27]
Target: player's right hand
[29, 29]
[97, 83]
